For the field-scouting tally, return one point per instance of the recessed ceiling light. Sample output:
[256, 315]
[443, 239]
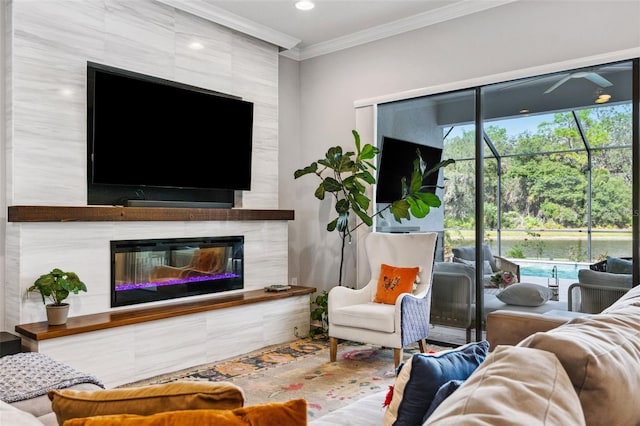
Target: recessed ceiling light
[196, 45]
[305, 5]
[524, 111]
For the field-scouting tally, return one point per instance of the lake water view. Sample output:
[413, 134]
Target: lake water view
[563, 249]
[557, 252]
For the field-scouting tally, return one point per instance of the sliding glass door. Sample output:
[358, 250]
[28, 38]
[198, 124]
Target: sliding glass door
[552, 157]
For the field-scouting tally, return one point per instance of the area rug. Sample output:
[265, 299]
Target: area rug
[301, 369]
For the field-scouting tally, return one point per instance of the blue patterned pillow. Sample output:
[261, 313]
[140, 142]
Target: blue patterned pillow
[419, 379]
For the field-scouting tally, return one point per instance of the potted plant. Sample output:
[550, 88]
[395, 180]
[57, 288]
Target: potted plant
[320, 315]
[346, 176]
[55, 287]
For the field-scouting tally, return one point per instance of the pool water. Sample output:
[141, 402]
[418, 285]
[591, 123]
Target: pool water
[565, 271]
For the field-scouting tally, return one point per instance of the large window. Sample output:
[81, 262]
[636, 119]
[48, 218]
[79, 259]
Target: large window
[544, 170]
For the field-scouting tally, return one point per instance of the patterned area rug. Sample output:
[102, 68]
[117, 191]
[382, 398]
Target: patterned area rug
[301, 369]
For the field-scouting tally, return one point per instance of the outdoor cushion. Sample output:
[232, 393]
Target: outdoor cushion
[587, 276]
[486, 265]
[469, 253]
[615, 265]
[525, 294]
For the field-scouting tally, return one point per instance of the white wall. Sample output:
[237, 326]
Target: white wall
[512, 40]
[289, 129]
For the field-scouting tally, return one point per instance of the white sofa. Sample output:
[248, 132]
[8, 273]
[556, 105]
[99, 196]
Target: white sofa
[583, 370]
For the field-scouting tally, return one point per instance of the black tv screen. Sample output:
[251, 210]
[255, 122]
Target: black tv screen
[150, 138]
[396, 161]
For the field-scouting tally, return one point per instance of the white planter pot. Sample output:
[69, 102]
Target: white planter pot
[57, 314]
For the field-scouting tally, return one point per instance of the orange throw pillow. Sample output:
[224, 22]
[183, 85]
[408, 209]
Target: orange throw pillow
[145, 400]
[393, 281]
[290, 413]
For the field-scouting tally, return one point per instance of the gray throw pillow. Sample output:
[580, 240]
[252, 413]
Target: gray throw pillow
[587, 276]
[615, 265]
[486, 270]
[524, 294]
[469, 253]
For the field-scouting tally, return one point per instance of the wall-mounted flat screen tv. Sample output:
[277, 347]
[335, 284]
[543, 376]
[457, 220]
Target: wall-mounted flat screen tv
[150, 139]
[396, 161]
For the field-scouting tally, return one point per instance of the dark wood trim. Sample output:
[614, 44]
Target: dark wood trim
[120, 214]
[86, 323]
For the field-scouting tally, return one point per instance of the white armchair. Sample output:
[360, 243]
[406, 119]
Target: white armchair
[353, 314]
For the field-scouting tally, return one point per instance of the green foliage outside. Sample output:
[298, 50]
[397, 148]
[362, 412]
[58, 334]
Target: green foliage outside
[544, 178]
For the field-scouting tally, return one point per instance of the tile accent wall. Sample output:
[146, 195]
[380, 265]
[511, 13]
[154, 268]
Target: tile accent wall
[45, 150]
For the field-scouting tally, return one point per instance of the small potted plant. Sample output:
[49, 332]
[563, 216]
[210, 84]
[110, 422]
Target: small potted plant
[320, 315]
[55, 287]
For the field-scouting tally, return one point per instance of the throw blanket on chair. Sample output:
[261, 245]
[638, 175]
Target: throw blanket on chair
[27, 375]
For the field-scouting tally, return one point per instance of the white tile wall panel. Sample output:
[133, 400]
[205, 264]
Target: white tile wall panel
[169, 345]
[49, 46]
[234, 331]
[125, 354]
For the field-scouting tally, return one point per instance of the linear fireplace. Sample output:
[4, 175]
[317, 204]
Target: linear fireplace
[159, 269]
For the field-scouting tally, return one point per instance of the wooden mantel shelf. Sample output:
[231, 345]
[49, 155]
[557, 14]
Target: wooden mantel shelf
[85, 323]
[120, 214]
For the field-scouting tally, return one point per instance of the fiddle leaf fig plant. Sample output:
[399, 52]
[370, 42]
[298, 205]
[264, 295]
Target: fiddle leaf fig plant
[346, 175]
[56, 286]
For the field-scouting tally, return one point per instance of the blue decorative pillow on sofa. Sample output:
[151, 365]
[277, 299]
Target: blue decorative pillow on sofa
[419, 379]
[443, 393]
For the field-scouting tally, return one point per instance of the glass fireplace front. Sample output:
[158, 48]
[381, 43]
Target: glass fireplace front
[158, 269]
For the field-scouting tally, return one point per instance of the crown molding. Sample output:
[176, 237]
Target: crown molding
[235, 22]
[293, 53]
[456, 10]
[288, 43]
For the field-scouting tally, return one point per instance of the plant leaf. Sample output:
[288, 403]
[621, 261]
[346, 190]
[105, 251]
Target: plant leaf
[312, 168]
[400, 210]
[331, 185]
[429, 198]
[319, 193]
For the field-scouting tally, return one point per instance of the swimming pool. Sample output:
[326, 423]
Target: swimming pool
[545, 269]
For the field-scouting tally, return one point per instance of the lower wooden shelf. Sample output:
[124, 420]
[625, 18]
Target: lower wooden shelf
[86, 323]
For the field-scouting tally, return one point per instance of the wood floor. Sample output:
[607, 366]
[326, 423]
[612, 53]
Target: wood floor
[441, 335]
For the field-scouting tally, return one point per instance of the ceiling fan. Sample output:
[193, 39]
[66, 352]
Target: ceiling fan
[589, 75]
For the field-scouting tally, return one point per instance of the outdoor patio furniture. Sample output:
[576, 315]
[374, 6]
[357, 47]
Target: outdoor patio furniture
[597, 288]
[496, 264]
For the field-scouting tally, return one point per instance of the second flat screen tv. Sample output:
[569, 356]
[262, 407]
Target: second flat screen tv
[396, 161]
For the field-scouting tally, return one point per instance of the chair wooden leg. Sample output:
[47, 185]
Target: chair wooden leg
[397, 356]
[422, 344]
[333, 348]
